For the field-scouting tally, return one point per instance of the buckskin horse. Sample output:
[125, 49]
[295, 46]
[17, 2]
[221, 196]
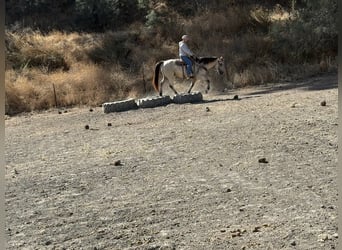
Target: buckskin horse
[172, 69]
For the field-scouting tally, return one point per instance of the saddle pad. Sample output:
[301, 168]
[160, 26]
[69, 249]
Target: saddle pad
[180, 62]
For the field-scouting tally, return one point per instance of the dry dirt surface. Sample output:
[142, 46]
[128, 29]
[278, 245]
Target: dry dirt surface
[255, 172]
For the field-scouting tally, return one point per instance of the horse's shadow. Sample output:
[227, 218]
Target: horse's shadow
[235, 98]
[317, 83]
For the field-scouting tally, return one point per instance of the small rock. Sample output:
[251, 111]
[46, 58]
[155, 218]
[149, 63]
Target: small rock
[324, 237]
[228, 190]
[86, 126]
[293, 105]
[117, 237]
[236, 234]
[335, 235]
[48, 243]
[154, 247]
[117, 163]
[91, 110]
[16, 171]
[109, 124]
[59, 112]
[207, 109]
[293, 243]
[263, 160]
[323, 103]
[65, 111]
[236, 97]
[256, 229]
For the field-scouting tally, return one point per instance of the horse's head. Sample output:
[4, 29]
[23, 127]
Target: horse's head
[212, 62]
[220, 65]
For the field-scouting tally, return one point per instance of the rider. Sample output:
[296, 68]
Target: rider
[185, 54]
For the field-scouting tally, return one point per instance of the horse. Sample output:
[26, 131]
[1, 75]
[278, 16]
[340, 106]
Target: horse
[211, 62]
[173, 68]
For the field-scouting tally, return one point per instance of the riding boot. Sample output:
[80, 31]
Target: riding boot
[190, 76]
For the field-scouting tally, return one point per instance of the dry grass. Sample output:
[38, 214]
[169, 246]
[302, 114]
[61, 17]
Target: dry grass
[83, 84]
[31, 77]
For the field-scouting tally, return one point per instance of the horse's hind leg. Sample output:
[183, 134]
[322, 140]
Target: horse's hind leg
[161, 83]
[171, 79]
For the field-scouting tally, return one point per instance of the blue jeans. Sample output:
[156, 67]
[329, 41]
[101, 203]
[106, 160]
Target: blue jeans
[188, 64]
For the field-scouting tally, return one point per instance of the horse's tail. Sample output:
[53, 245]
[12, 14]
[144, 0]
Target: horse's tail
[156, 76]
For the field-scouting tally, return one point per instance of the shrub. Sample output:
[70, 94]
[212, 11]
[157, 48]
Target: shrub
[310, 36]
[25, 52]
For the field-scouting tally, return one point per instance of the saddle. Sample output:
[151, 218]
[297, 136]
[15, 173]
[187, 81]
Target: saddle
[182, 64]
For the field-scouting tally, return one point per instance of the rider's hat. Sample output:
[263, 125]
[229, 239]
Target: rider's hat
[184, 37]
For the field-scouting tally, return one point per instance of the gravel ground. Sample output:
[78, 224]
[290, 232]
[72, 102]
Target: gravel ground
[255, 172]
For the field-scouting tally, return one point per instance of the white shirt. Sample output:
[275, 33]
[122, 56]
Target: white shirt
[184, 49]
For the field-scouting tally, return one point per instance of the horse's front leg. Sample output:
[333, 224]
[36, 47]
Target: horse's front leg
[208, 87]
[171, 86]
[191, 86]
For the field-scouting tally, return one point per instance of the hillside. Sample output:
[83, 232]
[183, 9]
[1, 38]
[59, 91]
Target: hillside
[83, 52]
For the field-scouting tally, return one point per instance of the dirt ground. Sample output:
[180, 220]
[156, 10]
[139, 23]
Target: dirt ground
[259, 172]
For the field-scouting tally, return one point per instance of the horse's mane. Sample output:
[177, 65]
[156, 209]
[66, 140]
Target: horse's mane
[206, 59]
